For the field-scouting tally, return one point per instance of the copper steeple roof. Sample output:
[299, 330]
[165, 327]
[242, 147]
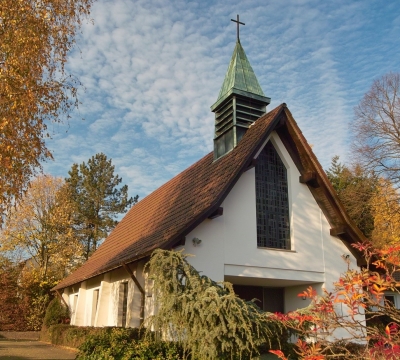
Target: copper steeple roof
[240, 78]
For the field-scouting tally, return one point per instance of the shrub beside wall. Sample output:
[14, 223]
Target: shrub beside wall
[68, 335]
[126, 344]
[110, 343]
[56, 313]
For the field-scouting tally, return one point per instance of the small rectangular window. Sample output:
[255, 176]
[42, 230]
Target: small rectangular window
[123, 304]
[390, 299]
[75, 302]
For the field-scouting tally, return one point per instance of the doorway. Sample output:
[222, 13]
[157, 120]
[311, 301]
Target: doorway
[269, 299]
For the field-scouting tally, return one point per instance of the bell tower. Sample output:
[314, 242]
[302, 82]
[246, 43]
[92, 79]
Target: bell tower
[240, 102]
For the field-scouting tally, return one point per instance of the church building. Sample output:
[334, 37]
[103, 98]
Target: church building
[258, 211]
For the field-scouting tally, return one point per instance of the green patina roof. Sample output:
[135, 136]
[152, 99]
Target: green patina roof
[240, 75]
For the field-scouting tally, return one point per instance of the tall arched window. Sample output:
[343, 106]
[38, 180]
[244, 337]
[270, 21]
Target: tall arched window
[272, 200]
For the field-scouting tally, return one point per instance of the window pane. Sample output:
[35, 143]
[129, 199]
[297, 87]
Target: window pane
[390, 299]
[272, 200]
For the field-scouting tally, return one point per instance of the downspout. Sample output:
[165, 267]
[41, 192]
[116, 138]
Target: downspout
[142, 299]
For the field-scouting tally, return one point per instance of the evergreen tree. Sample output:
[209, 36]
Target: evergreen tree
[355, 188]
[94, 189]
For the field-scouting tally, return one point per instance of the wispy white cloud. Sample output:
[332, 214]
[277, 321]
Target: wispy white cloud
[153, 68]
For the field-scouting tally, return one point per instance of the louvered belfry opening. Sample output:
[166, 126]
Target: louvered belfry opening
[232, 120]
[241, 101]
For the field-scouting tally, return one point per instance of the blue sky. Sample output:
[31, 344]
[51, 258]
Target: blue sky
[153, 68]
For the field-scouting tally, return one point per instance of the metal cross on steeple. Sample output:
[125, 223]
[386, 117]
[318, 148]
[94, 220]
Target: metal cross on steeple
[237, 25]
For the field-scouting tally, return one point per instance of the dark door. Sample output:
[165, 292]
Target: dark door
[273, 300]
[249, 293]
[269, 299]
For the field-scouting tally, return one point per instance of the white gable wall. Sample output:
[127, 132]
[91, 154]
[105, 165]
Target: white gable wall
[228, 250]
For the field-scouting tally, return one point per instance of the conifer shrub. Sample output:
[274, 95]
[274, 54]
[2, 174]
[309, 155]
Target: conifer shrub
[207, 318]
[56, 313]
[279, 340]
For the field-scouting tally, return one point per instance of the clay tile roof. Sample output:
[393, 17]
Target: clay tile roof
[174, 209]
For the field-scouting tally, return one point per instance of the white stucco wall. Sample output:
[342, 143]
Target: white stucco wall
[79, 316]
[229, 243]
[108, 285]
[102, 317]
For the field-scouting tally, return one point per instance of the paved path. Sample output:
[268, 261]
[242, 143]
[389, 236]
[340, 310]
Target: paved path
[32, 350]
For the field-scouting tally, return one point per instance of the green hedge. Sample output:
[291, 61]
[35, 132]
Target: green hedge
[69, 335]
[126, 344]
[110, 343]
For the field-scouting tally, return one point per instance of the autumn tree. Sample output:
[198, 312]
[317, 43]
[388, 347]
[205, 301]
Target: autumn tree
[355, 188]
[41, 227]
[94, 189]
[12, 306]
[358, 293]
[385, 208]
[35, 88]
[376, 128]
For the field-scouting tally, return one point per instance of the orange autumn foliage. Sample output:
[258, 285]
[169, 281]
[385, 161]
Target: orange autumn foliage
[385, 205]
[40, 228]
[358, 294]
[35, 38]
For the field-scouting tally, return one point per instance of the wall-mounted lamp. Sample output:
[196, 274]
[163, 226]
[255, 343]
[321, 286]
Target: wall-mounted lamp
[196, 241]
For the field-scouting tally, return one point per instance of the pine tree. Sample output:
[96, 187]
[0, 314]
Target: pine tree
[94, 189]
[355, 188]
